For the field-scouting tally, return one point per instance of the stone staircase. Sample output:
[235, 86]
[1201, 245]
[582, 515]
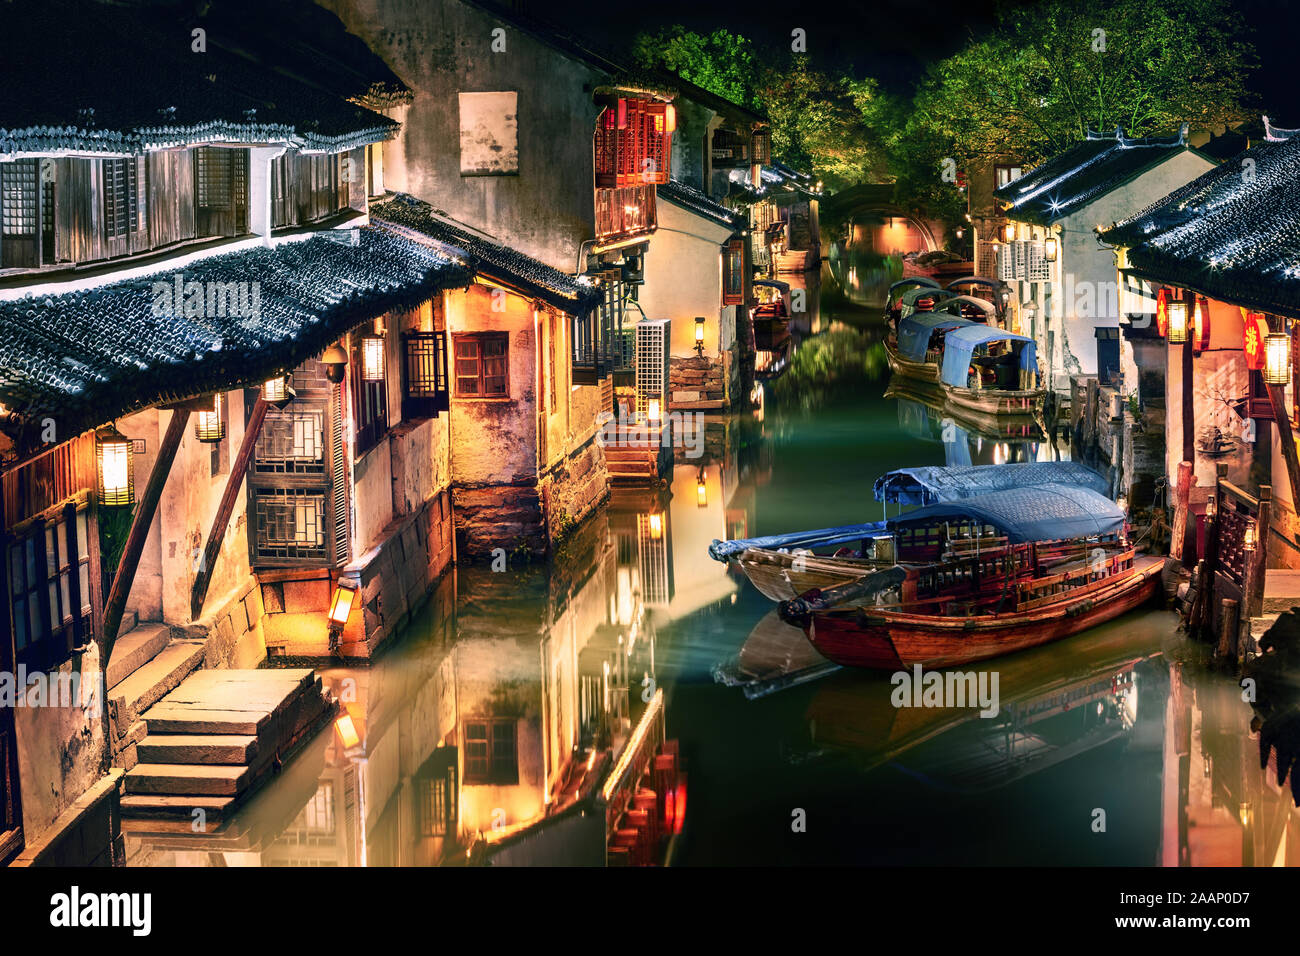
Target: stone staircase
[638, 460]
[214, 738]
[148, 662]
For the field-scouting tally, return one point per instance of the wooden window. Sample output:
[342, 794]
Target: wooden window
[369, 406]
[18, 213]
[438, 802]
[491, 752]
[632, 144]
[49, 587]
[424, 374]
[555, 372]
[733, 272]
[221, 177]
[123, 198]
[1005, 174]
[482, 365]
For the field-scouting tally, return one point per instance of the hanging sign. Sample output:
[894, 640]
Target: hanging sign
[1254, 330]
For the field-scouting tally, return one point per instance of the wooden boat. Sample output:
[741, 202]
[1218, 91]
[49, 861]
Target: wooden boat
[934, 634]
[991, 371]
[1064, 565]
[935, 411]
[893, 299]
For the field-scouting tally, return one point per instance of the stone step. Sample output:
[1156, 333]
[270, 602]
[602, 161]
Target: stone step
[181, 779]
[154, 680]
[134, 649]
[198, 749]
[157, 806]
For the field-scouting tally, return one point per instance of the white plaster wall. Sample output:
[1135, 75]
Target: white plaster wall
[683, 279]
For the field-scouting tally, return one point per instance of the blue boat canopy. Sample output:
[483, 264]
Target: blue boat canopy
[931, 484]
[1042, 513]
[961, 344]
[912, 280]
[914, 332]
[911, 295]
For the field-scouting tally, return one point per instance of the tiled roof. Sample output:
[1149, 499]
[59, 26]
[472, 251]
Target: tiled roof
[490, 258]
[1232, 234]
[87, 357]
[1082, 174]
[691, 199]
[116, 82]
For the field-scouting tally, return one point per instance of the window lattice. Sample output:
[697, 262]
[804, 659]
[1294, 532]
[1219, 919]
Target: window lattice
[651, 363]
[292, 442]
[290, 523]
[986, 259]
[1037, 268]
[18, 197]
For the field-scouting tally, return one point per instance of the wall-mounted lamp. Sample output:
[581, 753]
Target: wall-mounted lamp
[278, 391]
[701, 491]
[1176, 310]
[652, 410]
[1277, 358]
[699, 335]
[345, 595]
[372, 358]
[1051, 248]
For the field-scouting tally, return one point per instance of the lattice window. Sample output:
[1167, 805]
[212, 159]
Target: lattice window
[1037, 268]
[632, 144]
[491, 752]
[1022, 259]
[1006, 256]
[651, 364]
[18, 197]
[733, 272]
[424, 374]
[656, 571]
[292, 442]
[291, 523]
[214, 172]
[986, 258]
[123, 200]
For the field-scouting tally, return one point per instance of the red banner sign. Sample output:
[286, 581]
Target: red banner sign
[1254, 329]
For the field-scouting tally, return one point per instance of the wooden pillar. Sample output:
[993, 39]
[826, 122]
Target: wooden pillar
[1255, 596]
[144, 513]
[1182, 496]
[234, 481]
[1189, 392]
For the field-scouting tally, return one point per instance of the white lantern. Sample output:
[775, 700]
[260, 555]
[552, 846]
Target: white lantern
[209, 427]
[1277, 358]
[115, 461]
[372, 358]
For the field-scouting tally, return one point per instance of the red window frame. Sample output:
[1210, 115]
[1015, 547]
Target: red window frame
[369, 407]
[733, 272]
[471, 354]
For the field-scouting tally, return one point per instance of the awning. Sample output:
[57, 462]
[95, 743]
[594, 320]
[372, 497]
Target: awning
[931, 484]
[960, 345]
[914, 332]
[87, 357]
[1043, 513]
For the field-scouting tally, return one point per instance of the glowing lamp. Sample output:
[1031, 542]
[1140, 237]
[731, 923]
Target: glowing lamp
[1009, 232]
[372, 358]
[115, 464]
[208, 425]
[656, 527]
[345, 595]
[1211, 506]
[960, 232]
[1277, 358]
[1177, 312]
[701, 492]
[1250, 540]
[1051, 247]
[652, 410]
[347, 731]
[670, 118]
[278, 391]
[1201, 324]
[699, 335]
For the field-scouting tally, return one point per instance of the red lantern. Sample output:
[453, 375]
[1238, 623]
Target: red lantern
[1254, 331]
[1162, 312]
[1201, 324]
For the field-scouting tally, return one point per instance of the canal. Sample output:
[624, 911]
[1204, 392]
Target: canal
[1115, 747]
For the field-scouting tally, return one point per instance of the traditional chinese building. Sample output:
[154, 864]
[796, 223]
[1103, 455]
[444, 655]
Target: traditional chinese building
[1063, 284]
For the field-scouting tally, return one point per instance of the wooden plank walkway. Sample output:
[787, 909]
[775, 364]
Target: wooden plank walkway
[217, 737]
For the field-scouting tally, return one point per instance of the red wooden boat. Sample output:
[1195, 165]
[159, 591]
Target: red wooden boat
[970, 604]
[881, 637]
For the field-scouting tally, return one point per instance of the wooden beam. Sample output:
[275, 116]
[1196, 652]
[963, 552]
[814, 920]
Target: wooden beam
[1182, 492]
[144, 512]
[234, 481]
[1285, 438]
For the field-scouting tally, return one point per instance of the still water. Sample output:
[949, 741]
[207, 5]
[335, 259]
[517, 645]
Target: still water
[517, 699]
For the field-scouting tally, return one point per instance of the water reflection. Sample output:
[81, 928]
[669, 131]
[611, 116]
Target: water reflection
[550, 714]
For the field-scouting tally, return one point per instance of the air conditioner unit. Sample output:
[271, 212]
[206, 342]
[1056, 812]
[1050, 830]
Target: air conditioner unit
[652, 364]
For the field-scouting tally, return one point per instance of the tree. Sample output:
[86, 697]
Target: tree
[1049, 73]
[721, 62]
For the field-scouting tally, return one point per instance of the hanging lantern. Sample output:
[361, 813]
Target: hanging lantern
[1162, 312]
[1250, 539]
[1201, 324]
[335, 361]
[1009, 232]
[209, 427]
[115, 463]
[1277, 360]
[701, 491]
[1177, 312]
[1051, 247]
[1254, 335]
[278, 391]
[656, 527]
[372, 358]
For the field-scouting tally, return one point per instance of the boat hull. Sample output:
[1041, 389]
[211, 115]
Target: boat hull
[920, 371]
[782, 577]
[990, 401]
[886, 640]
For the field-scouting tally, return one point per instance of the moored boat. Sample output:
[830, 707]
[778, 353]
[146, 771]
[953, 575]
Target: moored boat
[991, 371]
[1059, 564]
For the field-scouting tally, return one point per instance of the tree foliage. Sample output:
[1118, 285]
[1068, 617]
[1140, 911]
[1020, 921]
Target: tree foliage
[1050, 72]
[720, 62]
